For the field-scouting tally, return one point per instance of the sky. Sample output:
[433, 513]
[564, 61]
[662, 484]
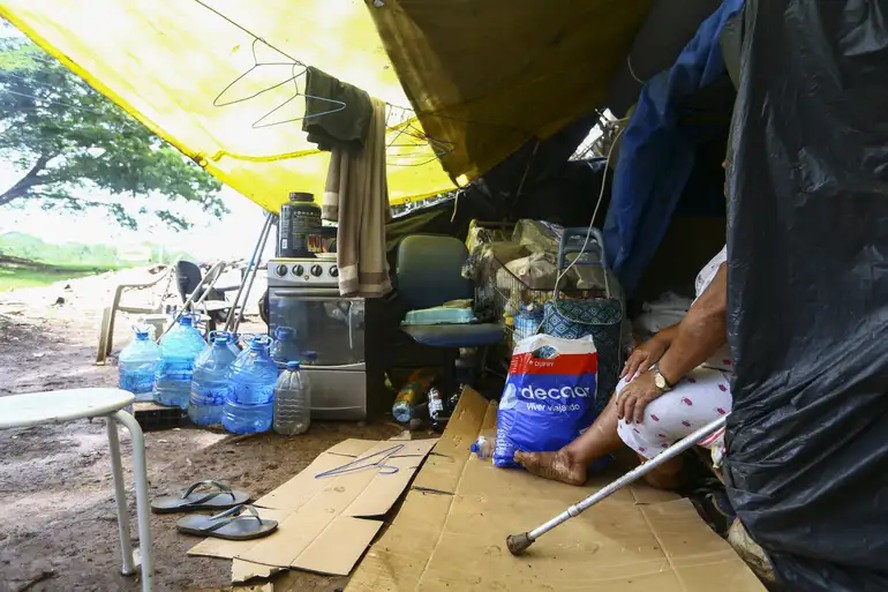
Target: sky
[232, 237]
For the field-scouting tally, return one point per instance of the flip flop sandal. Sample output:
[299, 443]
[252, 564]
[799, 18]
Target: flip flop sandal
[229, 525]
[191, 499]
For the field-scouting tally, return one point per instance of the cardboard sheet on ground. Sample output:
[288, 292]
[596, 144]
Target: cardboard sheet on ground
[326, 520]
[450, 533]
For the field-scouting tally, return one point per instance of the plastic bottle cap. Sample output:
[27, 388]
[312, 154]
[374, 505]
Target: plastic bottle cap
[292, 365]
[259, 342]
[142, 335]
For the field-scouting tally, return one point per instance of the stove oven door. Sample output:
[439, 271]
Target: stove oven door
[317, 320]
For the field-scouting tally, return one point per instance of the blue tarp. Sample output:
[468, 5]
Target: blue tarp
[657, 154]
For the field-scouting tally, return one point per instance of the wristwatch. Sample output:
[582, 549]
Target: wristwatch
[659, 380]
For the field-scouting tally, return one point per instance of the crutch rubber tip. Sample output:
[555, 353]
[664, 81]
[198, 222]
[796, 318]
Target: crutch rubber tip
[518, 543]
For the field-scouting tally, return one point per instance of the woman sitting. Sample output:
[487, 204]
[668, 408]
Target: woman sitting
[672, 385]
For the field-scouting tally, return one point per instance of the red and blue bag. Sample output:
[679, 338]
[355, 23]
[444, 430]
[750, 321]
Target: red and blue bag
[549, 398]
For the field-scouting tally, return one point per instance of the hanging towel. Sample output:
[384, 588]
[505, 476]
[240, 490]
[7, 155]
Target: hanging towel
[356, 196]
[328, 124]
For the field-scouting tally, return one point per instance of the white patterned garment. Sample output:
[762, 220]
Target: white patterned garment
[696, 400]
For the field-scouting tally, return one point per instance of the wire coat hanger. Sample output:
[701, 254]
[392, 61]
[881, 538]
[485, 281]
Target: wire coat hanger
[257, 64]
[297, 69]
[439, 147]
[405, 128]
[339, 106]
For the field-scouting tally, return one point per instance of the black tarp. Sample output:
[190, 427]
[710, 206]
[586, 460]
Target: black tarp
[808, 291]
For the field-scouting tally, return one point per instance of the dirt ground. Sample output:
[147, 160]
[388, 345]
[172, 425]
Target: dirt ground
[58, 526]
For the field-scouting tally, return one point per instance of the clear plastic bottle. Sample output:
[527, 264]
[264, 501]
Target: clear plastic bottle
[137, 364]
[483, 447]
[283, 347]
[412, 395]
[209, 382]
[178, 350]
[292, 402]
[527, 322]
[248, 405]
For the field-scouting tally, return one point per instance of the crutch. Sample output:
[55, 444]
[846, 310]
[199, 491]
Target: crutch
[518, 543]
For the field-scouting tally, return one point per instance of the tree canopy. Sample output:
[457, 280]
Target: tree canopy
[69, 140]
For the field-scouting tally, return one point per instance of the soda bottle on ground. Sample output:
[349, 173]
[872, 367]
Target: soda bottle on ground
[412, 395]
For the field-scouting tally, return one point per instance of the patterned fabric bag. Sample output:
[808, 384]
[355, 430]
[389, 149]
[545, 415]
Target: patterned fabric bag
[602, 319]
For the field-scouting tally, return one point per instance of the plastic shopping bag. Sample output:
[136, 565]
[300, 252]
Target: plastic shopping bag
[549, 397]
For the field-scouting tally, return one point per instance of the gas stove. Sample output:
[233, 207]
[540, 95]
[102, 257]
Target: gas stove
[306, 313]
[321, 273]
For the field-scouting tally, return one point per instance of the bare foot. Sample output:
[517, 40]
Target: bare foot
[552, 465]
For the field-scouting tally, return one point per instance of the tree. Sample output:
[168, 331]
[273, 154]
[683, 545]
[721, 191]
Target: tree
[69, 140]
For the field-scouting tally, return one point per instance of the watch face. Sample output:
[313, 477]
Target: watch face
[660, 381]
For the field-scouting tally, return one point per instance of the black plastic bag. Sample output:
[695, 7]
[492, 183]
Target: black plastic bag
[808, 291]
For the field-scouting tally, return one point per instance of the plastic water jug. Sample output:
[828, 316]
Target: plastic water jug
[292, 402]
[248, 406]
[178, 349]
[232, 340]
[137, 364]
[209, 382]
[284, 347]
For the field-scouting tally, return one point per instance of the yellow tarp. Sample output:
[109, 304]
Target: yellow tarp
[489, 75]
[485, 75]
[166, 61]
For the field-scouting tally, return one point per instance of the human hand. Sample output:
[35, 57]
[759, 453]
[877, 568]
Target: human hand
[635, 396]
[643, 357]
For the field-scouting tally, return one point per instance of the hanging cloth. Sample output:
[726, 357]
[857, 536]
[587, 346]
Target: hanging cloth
[356, 196]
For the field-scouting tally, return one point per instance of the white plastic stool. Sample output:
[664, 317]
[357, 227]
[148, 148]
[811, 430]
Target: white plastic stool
[31, 409]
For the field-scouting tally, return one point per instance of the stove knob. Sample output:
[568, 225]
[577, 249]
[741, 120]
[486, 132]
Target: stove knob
[334, 271]
[317, 270]
[298, 270]
[281, 270]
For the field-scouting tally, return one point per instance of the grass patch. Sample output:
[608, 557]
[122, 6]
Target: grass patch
[19, 274]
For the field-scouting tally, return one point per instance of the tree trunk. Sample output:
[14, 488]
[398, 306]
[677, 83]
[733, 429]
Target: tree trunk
[26, 183]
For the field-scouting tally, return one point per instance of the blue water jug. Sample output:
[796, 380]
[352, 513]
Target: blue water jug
[178, 350]
[209, 382]
[137, 364]
[232, 341]
[284, 346]
[249, 404]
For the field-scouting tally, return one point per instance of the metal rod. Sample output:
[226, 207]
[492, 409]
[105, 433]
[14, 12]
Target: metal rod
[263, 241]
[517, 543]
[126, 543]
[260, 243]
[140, 472]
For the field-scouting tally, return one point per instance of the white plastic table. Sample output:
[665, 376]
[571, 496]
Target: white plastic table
[31, 409]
